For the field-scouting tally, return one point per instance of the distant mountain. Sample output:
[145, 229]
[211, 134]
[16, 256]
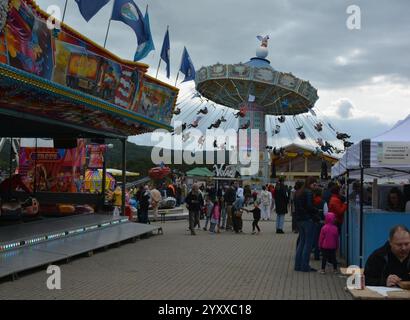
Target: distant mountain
[138, 158]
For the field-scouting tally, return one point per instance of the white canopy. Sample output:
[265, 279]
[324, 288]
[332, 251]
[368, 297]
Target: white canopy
[385, 156]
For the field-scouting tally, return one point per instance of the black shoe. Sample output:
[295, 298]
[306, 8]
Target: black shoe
[313, 270]
[281, 231]
[193, 233]
[204, 229]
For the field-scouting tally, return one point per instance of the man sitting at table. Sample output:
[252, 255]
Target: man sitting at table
[390, 264]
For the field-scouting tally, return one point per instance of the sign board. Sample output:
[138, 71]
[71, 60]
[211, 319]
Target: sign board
[393, 153]
[225, 171]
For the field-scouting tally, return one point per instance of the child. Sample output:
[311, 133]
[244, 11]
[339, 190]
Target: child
[215, 217]
[329, 242]
[256, 217]
[208, 211]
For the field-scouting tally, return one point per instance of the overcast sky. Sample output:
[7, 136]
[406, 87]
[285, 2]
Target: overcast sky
[362, 75]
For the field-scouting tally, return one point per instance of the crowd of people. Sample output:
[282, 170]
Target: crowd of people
[225, 206]
[317, 216]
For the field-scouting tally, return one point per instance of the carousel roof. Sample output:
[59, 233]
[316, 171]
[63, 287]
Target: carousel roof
[276, 92]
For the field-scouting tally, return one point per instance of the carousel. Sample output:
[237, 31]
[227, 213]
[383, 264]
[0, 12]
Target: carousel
[255, 89]
[57, 85]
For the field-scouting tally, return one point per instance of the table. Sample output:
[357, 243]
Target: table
[367, 294]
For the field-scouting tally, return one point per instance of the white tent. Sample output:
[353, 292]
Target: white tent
[386, 155]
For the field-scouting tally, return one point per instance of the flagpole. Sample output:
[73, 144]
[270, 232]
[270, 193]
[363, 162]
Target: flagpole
[109, 25]
[65, 9]
[176, 79]
[180, 65]
[159, 63]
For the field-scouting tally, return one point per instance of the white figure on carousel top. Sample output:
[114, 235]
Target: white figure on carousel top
[264, 41]
[262, 52]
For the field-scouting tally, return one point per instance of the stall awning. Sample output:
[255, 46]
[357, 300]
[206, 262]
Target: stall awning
[385, 156]
[200, 172]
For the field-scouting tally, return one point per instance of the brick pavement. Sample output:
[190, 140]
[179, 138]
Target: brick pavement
[177, 265]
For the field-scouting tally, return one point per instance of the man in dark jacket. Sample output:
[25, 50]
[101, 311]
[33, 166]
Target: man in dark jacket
[281, 203]
[230, 198]
[390, 264]
[194, 203]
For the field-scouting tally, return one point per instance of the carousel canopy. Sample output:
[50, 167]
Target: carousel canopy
[278, 93]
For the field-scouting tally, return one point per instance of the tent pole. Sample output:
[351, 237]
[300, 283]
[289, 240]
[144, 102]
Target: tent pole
[361, 211]
[347, 217]
[124, 163]
[104, 179]
[10, 165]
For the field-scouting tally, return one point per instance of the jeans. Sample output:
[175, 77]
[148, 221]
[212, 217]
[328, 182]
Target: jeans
[222, 221]
[280, 221]
[306, 237]
[229, 216]
[193, 219]
[316, 250]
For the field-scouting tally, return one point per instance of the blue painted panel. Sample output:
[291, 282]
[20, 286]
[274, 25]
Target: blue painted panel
[377, 228]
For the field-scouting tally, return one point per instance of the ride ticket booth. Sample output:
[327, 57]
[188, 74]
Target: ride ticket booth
[52, 86]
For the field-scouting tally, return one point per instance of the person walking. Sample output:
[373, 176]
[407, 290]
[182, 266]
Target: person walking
[281, 202]
[265, 200]
[230, 198]
[156, 198]
[329, 242]
[215, 217]
[237, 222]
[144, 206]
[298, 185]
[256, 217]
[208, 207]
[306, 215]
[194, 202]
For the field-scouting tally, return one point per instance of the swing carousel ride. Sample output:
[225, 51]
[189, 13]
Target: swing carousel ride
[256, 90]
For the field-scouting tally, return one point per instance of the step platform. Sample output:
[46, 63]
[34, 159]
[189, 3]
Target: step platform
[31, 245]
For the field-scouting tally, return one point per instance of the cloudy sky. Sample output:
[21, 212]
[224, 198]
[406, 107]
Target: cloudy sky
[363, 76]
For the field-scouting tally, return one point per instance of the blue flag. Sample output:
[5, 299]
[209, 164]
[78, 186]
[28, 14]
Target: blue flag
[128, 12]
[89, 8]
[145, 47]
[165, 53]
[187, 67]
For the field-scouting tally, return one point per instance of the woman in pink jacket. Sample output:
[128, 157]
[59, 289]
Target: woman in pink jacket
[329, 242]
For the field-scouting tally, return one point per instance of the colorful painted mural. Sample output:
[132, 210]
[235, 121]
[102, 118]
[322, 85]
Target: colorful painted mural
[52, 170]
[156, 101]
[65, 57]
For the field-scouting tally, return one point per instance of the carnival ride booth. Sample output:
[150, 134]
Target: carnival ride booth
[52, 87]
[385, 157]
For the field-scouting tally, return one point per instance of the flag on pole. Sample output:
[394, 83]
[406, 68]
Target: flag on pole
[187, 67]
[147, 46]
[165, 53]
[127, 11]
[89, 9]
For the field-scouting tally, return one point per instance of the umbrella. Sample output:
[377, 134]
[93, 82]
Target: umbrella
[93, 181]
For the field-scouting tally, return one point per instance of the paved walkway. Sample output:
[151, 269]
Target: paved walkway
[177, 265]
